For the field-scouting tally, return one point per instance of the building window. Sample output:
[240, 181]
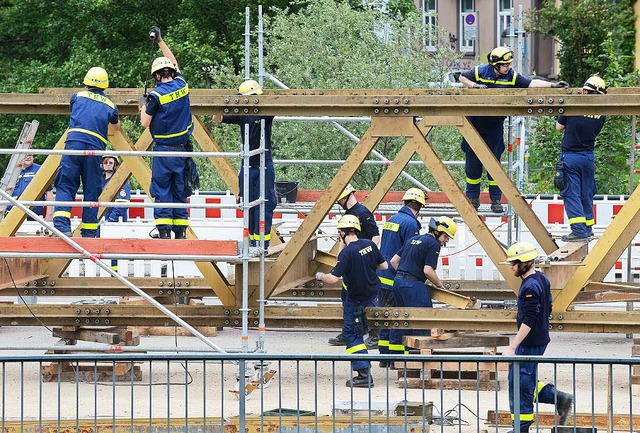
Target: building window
[505, 15]
[466, 6]
[430, 16]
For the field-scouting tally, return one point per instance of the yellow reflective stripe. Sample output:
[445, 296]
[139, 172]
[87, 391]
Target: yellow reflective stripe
[267, 237]
[114, 267]
[177, 134]
[122, 200]
[357, 348]
[524, 417]
[180, 222]
[537, 389]
[577, 220]
[493, 183]
[62, 213]
[173, 96]
[394, 227]
[90, 226]
[86, 131]
[590, 222]
[163, 221]
[386, 281]
[26, 175]
[383, 343]
[484, 80]
[396, 347]
[474, 181]
[344, 286]
[96, 97]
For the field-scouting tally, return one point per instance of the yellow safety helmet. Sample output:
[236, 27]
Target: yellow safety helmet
[444, 224]
[595, 84]
[347, 190]
[96, 77]
[415, 194]
[161, 63]
[500, 55]
[250, 87]
[522, 251]
[349, 222]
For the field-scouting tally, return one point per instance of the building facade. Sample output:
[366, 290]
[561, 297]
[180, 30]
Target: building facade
[495, 21]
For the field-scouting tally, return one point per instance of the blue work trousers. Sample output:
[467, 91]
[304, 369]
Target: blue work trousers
[353, 329]
[492, 131]
[254, 194]
[408, 293]
[530, 389]
[168, 186]
[73, 169]
[580, 188]
[386, 299]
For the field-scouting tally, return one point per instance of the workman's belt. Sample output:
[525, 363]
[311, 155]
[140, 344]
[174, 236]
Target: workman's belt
[407, 276]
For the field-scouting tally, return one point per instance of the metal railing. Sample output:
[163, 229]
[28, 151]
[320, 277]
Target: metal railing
[201, 392]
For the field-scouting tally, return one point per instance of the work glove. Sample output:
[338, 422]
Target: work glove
[560, 85]
[319, 276]
[479, 86]
[155, 33]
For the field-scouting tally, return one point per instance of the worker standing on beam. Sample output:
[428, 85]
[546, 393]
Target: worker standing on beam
[499, 75]
[577, 146]
[357, 264]
[27, 172]
[416, 262]
[166, 111]
[252, 87]
[532, 338]
[348, 201]
[395, 232]
[91, 113]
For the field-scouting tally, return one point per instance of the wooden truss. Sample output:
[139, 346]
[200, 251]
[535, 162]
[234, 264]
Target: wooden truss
[393, 114]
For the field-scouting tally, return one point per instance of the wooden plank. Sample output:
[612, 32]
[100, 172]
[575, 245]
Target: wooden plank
[457, 366]
[582, 419]
[461, 340]
[170, 331]
[450, 384]
[103, 337]
[18, 271]
[120, 246]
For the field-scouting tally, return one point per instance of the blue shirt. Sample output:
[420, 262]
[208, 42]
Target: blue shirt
[534, 308]
[419, 251]
[114, 214]
[255, 130]
[580, 132]
[169, 104]
[357, 264]
[395, 232]
[91, 113]
[368, 226]
[24, 179]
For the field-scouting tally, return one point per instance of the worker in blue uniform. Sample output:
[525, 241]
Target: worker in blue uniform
[577, 146]
[27, 172]
[415, 263]
[348, 201]
[532, 338]
[166, 111]
[395, 232]
[357, 265]
[497, 74]
[91, 114]
[252, 87]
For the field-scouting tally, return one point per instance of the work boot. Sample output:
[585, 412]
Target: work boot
[164, 233]
[180, 233]
[338, 340]
[572, 237]
[475, 202]
[362, 380]
[496, 206]
[563, 406]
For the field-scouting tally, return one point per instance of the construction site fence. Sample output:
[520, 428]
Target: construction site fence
[201, 392]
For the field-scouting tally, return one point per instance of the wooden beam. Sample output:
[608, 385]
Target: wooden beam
[621, 422]
[120, 246]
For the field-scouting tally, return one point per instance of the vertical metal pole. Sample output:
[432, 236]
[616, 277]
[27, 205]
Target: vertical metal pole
[260, 48]
[247, 44]
[520, 39]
